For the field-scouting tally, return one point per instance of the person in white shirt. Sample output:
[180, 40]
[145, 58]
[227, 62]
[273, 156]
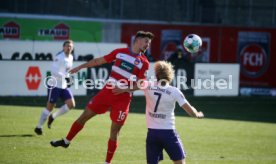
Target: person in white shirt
[58, 87]
[160, 117]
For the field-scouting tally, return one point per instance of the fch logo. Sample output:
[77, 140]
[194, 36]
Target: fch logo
[33, 78]
[254, 60]
[59, 32]
[10, 30]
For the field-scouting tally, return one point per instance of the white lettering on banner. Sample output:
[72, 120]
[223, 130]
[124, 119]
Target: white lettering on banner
[53, 32]
[181, 81]
[216, 80]
[9, 30]
[253, 59]
[102, 73]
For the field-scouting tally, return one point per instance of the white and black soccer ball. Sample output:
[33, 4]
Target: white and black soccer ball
[192, 43]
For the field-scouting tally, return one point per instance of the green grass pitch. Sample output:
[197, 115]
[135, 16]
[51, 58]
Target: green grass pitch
[206, 141]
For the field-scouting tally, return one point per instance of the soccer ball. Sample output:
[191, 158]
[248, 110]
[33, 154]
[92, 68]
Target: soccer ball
[192, 43]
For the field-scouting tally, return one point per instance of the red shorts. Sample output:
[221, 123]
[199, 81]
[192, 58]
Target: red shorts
[118, 105]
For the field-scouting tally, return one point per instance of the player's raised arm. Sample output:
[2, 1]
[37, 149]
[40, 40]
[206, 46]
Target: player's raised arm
[134, 87]
[91, 63]
[192, 111]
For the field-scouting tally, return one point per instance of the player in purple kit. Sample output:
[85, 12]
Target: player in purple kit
[63, 62]
[160, 117]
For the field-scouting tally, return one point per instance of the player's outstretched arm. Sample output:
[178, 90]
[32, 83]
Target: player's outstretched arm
[118, 90]
[134, 87]
[192, 111]
[91, 63]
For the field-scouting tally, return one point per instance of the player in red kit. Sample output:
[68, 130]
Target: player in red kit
[129, 64]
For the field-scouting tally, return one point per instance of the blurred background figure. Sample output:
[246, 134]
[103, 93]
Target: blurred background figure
[179, 55]
[58, 87]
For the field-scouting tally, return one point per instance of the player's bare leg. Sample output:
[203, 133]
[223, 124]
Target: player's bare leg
[75, 128]
[69, 104]
[85, 116]
[43, 117]
[112, 142]
[50, 106]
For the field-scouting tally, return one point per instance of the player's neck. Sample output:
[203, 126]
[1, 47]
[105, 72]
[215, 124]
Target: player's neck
[66, 54]
[135, 50]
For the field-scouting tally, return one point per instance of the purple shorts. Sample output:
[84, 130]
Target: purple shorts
[159, 139]
[55, 93]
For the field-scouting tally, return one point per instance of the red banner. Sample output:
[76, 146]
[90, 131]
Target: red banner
[251, 47]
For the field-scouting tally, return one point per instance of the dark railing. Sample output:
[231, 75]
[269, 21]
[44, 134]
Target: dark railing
[224, 12]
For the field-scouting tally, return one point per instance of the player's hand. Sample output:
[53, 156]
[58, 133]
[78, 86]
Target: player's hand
[199, 114]
[74, 70]
[117, 90]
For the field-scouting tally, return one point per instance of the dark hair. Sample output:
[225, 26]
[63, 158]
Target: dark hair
[144, 34]
[67, 41]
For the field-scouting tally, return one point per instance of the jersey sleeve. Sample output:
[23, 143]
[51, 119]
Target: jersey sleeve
[179, 97]
[144, 71]
[111, 56]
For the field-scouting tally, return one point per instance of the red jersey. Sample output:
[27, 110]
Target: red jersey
[127, 64]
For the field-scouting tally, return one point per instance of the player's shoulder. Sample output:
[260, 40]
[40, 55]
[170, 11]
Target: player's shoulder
[144, 59]
[121, 50]
[59, 54]
[174, 90]
[177, 93]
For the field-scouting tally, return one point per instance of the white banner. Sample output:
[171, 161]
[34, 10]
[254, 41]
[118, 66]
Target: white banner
[216, 79]
[27, 78]
[17, 49]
